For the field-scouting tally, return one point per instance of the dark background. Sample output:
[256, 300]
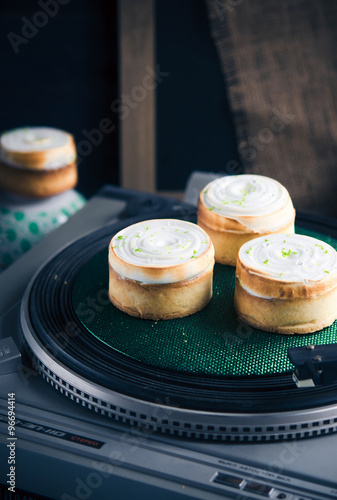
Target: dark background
[66, 76]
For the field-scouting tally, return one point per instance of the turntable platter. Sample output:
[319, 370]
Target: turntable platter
[211, 342]
[211, 376]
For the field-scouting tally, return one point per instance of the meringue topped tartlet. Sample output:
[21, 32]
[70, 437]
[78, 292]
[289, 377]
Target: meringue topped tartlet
[236, 209]
[37, 161]
[286, 284]
[161, 269]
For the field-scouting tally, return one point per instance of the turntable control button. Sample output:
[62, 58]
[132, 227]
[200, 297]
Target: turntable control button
[225, 479]
[258, 488]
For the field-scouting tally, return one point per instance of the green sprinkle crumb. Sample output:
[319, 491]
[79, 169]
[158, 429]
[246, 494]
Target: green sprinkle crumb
[249, 250]
[211, 208]
[328, 272]
[287, 253]
[120, 237]
[137, 250]
[266, 262]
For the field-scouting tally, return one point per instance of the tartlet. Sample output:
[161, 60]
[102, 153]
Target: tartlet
[161, 269]
[37, 161]
[236, 209]
[286, 284]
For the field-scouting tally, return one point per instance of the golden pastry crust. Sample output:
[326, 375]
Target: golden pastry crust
[37, 183]
[227, 243]
[287, 316]
[235, 209]
[286, 284]
[161, 269]
[265, 286]
[222, 223]
[38, 159]
[160, 301]
[152, 274]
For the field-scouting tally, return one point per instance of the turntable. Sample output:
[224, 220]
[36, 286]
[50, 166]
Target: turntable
[109, 406]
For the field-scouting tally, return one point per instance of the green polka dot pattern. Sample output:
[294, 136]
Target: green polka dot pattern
[10, 235]
[212, 341]
[19, 216]
[21, 229]
[33, 228]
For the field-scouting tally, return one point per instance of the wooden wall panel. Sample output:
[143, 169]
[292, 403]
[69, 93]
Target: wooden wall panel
[137, 94]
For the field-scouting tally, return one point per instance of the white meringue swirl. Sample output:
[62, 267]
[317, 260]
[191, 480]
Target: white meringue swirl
[54, 142]
[242, 196]
[159, 244]
[294, 258]
[33, 139]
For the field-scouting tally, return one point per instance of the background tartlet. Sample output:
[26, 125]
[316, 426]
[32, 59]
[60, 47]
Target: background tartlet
[37, 161]
[236, 209]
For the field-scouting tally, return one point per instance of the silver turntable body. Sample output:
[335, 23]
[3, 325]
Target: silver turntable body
[61, 448]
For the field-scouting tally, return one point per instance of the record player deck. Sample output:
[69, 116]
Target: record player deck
[96, 404]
